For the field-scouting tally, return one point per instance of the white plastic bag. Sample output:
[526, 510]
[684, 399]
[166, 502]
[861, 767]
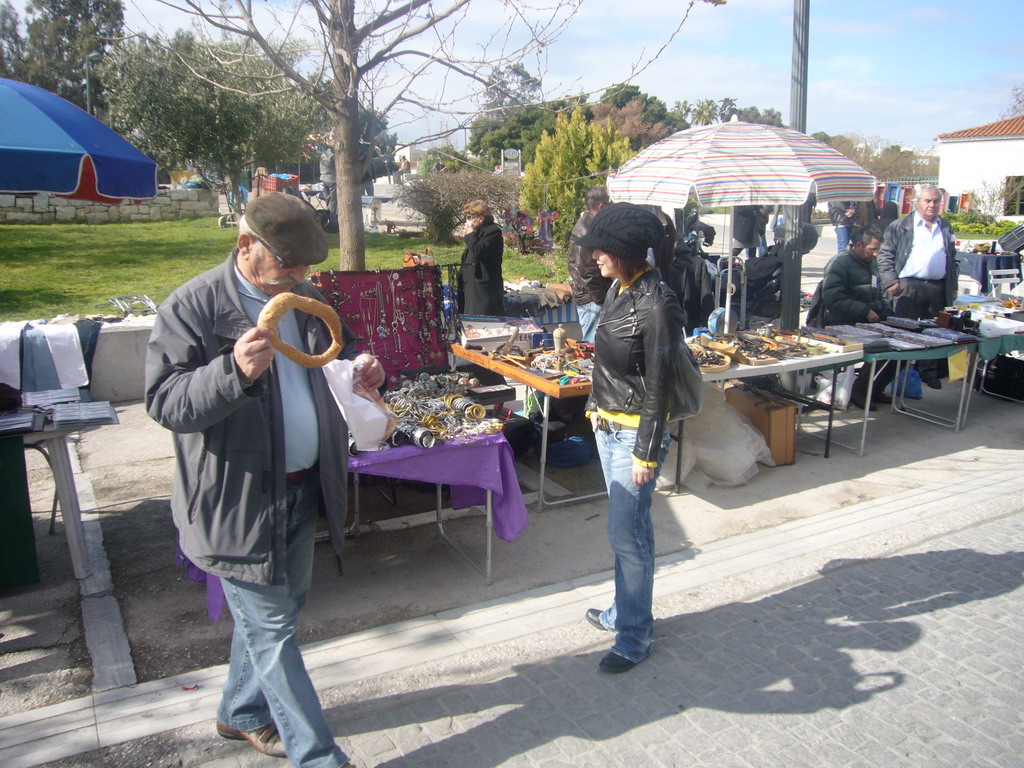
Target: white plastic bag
[844, 387]
[726, 446]
[366, 414]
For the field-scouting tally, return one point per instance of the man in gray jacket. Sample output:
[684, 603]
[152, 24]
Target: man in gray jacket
[259, 445]
[917, 266]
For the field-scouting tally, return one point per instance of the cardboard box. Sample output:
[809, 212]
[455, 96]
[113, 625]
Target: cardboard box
[772, 417]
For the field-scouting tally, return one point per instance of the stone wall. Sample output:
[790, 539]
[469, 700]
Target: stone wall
[168, 205]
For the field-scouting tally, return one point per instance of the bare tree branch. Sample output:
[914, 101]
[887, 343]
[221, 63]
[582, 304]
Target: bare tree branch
[406, 59]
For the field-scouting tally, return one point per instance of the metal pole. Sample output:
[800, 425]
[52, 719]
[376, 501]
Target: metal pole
[88, 85]
[798, 77]
[796, 216]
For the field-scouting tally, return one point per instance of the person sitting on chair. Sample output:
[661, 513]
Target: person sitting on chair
[850, 294]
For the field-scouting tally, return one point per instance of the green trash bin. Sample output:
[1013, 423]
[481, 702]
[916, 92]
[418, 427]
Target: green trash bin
[18, 566]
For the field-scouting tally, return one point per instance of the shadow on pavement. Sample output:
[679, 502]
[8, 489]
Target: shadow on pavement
[789, 653]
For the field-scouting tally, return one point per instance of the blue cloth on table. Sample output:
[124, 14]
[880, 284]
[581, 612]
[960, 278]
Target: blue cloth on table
[978, 265]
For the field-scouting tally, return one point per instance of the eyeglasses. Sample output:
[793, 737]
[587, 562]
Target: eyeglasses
[280, 262]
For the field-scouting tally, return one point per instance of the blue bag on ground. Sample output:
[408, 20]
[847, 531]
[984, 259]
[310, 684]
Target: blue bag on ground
[571, 452]
[912, 380]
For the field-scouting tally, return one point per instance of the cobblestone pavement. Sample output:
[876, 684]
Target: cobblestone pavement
[913, 659]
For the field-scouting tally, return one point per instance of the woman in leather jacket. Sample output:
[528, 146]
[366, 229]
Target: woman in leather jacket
[639, 330]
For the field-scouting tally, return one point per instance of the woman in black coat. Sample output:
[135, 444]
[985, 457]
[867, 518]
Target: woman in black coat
[482, 283]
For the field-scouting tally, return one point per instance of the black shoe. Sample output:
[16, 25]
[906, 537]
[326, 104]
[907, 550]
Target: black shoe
[881, 398]
[931, 379]
[858, 400]
[594, 617]
[614, 664]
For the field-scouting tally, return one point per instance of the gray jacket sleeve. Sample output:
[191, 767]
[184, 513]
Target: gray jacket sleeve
[191, 382]
[888, 270]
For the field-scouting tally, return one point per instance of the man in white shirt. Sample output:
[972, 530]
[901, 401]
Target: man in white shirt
[917, 265]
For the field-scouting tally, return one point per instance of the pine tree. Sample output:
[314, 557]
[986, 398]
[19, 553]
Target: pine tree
[563, 168]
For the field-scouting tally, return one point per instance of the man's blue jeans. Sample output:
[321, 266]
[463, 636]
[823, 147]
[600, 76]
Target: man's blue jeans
[267, 679]
[589, 315]
[631, 535]
[842, 238]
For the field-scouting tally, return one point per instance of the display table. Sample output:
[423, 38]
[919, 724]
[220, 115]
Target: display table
[977, 266]
[991, 348]
[18, 564]
[55, 443]
[899, 404]
[482, 471]
[795, 365]
[549, 386]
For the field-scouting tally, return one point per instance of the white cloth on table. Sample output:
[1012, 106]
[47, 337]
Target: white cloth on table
[66, 352]
[10, 346]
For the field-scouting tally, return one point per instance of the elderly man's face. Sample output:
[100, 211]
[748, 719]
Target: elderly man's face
[260, 268]
[928, 205]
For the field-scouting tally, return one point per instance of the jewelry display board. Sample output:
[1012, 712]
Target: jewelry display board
[397, 315]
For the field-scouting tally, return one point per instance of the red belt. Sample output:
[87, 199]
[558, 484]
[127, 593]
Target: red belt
[296, 477]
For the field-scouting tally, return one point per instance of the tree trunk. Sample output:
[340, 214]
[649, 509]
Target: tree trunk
[348, 168]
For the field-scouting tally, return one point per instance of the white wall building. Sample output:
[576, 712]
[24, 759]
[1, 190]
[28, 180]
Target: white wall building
[981, 161]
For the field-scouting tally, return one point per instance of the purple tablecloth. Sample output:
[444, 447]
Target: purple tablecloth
[471, 469]
[488, 463]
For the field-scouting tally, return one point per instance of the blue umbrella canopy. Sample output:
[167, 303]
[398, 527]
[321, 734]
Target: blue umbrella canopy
[48, 144]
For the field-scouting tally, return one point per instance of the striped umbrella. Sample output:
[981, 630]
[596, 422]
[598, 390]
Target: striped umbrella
[737, 163]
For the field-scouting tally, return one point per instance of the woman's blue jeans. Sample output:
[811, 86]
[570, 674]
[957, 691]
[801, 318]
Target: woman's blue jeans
[631, 535]
[267, 679]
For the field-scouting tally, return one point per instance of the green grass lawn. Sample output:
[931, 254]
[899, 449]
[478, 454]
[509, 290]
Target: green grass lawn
[53, 269]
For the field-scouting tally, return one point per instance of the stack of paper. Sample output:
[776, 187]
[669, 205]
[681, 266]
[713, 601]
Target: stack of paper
[75, 415]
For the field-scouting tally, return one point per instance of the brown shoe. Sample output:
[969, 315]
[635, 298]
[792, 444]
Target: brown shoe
[264, 739]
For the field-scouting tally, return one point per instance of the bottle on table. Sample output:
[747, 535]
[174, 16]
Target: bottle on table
[558, 335]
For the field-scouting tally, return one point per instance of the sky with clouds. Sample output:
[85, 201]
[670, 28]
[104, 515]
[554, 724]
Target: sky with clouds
[903, 72]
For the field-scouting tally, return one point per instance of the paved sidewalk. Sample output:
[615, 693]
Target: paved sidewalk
[911, 659]
[883, 633]
[914, 659]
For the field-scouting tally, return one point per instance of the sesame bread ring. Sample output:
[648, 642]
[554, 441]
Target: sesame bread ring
[283, 302]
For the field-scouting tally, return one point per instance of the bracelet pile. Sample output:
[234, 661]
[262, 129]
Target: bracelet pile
[437, 406]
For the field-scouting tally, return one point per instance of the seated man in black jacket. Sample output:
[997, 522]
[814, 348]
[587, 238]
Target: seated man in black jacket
[850, 294]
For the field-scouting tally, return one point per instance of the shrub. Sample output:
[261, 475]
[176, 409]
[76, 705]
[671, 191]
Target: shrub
[439, 198]
[972, 223]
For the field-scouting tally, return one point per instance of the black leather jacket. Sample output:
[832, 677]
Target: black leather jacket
[588, 287]
[637, 334]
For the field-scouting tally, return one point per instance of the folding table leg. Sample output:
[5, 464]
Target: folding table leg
[485, 569]
[353, 530]
[867, 406]
[64, 480]
[543, 452]
[679, 455]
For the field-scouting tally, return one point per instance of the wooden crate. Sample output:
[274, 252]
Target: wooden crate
[772, 417]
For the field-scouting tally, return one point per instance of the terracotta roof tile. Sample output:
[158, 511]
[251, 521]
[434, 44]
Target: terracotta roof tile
[1011, 126]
